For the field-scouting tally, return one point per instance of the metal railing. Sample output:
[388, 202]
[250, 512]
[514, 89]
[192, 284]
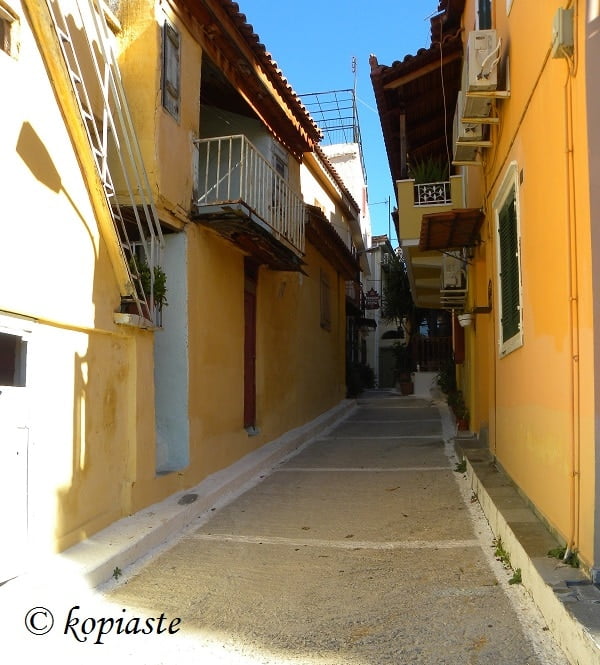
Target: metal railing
[433, 193]
[431, 353]
[230, 169]
[94, 71]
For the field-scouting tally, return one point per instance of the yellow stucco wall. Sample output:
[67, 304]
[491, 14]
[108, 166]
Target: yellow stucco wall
[300, 367]
[90, 385]
[540, 400]
[61, 288]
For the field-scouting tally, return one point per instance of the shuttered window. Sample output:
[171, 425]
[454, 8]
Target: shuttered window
[170, 73]
[8, 25]
[509, 278]
[509, 269]
[484, 14]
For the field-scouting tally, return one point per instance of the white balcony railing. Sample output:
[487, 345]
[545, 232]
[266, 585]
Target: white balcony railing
[232, 170]
[433, 193]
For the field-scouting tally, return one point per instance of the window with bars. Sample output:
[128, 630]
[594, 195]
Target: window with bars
[484, 14]
[170, 69]
[509, 260]
[7, 30]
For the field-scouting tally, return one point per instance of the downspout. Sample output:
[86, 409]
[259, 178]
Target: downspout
[572, 266]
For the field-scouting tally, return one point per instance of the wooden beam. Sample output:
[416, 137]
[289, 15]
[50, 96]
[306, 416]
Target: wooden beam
[421, 71]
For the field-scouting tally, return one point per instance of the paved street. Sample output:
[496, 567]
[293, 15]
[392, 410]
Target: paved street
[364, 548]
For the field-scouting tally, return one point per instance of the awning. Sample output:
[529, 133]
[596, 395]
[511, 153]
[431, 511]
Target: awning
[367, 323]
[450, 229]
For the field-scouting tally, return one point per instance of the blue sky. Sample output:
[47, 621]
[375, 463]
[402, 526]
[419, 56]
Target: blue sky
[313, 43]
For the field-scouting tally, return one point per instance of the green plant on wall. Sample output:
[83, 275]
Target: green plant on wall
[429, 169]
[160, 288]
[397, 302]
[151, 282]
[446, 380]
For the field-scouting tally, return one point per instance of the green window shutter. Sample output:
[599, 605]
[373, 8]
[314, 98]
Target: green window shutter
[509, 269]
[484, 11]
[170, 73]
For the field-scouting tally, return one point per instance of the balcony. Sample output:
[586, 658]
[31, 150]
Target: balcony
[416, 200]
[432, 223]
[238, 193]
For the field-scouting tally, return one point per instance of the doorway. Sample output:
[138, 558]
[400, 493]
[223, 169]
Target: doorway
[250, 284]
[14, 450]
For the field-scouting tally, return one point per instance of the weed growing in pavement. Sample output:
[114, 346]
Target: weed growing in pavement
[559, 553]
[461, 467]
[516, 578]
[117, 572]
[504, 557]
[500, 553]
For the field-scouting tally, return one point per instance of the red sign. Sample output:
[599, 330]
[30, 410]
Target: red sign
[372, 299]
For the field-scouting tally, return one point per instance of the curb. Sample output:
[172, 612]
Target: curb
[567, 599]
[131, 538]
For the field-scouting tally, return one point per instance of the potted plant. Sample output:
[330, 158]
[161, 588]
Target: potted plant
[459, 408]
[160, 288]
[152, 283]
[403, 369]
[429, 169]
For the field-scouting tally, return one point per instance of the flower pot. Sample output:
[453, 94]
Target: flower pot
[132, 308]
[407, 387]
[465, 320]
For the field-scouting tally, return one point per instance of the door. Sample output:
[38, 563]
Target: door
[14, 441]
[250, 281]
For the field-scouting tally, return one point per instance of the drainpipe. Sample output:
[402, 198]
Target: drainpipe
[575, 397]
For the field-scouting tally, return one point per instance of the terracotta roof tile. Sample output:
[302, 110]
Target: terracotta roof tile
[276, 75]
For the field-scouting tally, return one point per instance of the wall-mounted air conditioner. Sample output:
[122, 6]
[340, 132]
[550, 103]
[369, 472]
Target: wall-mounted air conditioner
[482, 58]
[465, 131]
[464, 134]
[480, 72]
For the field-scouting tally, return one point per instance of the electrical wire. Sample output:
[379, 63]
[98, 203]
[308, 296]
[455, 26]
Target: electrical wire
[444, 98]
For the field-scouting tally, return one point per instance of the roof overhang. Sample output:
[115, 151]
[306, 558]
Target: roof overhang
[237, 52]
[321, 234]
[416, 96]
[450, 229]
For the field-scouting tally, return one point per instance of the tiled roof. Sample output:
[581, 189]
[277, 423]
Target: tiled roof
[271, 68]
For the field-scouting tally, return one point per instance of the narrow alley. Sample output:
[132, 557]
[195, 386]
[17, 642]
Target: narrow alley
[365, 547]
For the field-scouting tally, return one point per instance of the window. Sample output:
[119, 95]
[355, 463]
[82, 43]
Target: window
[170, 73]
[484, 14]
[506, 206]
[8, 25]
[13, 354]
[325, 302]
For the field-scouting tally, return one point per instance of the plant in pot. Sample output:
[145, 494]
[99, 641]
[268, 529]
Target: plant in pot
[403, 369]
[429, 169]
[153, 284]
[160, 288]
[459, 408]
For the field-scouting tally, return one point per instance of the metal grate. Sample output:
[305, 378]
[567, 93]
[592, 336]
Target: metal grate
[85, 41]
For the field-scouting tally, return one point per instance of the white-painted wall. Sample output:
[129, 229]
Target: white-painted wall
[171, 362]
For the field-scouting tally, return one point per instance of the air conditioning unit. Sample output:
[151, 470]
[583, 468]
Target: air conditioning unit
[465, 131]
[483, 56]
[464, 134]
[454, 275]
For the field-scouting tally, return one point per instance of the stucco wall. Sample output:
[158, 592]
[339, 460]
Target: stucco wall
[58, 279]
[541, 412]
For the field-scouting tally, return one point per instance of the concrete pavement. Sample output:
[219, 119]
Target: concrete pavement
[363, 547]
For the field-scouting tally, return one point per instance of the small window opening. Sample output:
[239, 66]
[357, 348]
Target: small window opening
[13, 354]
